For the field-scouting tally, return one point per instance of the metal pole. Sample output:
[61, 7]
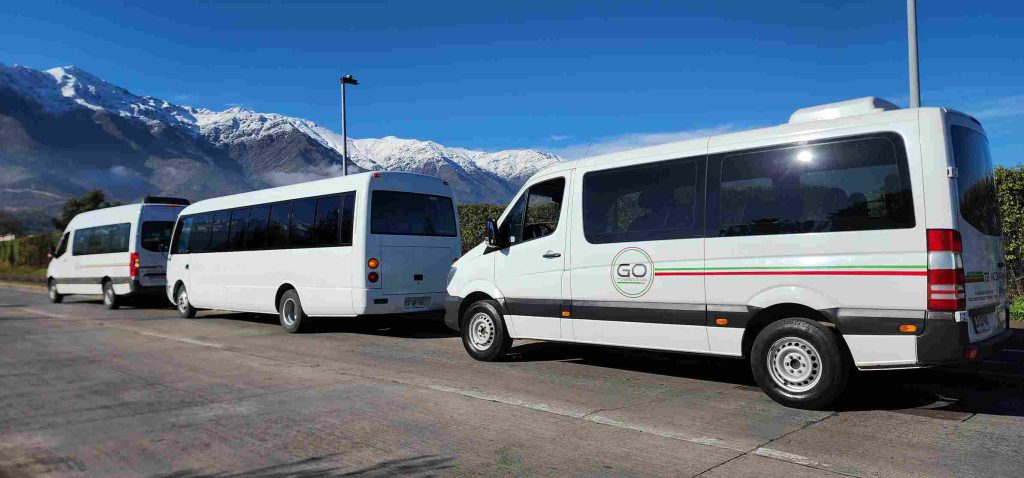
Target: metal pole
[344, 133]
[915, 81]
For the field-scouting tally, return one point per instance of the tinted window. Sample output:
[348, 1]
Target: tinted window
[976, 185]
[256, 231]
[848, 185]
[236, 231]
[543, 207]
[348, 208]
[300, 232]
[277, 228]
[102, 240]
[412, 214]
[511, 229]
[182, 235]
[219, 231]
[325, 226]
[200, 241]
[156, 235]
[644, 203]
[62, 246]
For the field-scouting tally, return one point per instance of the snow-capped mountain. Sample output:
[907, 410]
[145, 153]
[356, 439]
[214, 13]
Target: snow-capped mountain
[65, 120]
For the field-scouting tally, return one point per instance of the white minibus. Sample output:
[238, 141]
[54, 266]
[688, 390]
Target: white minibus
[365, 244]
[858, 234]
[117, 252]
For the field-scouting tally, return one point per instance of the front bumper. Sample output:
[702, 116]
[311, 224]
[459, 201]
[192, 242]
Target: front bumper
[451, 312]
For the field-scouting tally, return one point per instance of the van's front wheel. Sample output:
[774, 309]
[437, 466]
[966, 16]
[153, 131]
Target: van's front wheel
[799, 363]
[483, 332]
[185, 309]
[51, 290]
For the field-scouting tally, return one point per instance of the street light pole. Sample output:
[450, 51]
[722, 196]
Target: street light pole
[347, 79]
[915, 81]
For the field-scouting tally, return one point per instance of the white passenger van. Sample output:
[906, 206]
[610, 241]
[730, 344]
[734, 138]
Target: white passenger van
[117, 251]
[857, 234]
[370, 243]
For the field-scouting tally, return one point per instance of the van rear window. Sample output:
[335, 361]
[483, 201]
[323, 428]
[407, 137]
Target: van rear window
[411, 214]
[156, 235]
[976, 185]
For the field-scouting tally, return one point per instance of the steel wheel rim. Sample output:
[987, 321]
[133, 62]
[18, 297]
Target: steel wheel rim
[481, 332]
[288, 312]
[108, 295]
[794, 364]
[53, 290]
[183, 301]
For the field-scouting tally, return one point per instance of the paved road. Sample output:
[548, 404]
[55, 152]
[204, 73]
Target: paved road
[140, 392]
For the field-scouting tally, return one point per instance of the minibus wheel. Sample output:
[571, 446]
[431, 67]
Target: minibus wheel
[51, 289]
[483, 332]
[293, 319]
[109, 297]
[799, 363]
[185, 309]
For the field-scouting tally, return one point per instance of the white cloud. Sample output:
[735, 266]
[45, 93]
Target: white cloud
[559, 137]
[1004, 107]
[628, 141]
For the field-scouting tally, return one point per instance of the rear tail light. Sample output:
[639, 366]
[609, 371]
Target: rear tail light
[373, 277]
[133, 265]
[373, 263]
[945, 271]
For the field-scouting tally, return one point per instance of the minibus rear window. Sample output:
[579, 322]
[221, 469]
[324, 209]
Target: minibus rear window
[156, 235]
[976, 184]
[411, 214]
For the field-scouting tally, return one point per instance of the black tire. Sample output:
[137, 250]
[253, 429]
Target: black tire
[483, 332]
[51, 289]
[110, 299]
[799, 363]
[182, 304]
[289, 310]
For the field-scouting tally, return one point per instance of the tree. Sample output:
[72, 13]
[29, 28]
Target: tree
[9, 223]
[91, 201]
[472, 218]
[1010, 181]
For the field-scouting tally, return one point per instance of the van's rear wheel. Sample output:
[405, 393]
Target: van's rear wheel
[185, 309]
[799, 363]
[483, 332]
[293, 319]
[110, 299]
[51, 289]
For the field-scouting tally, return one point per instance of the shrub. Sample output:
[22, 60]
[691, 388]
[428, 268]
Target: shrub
[472, 220]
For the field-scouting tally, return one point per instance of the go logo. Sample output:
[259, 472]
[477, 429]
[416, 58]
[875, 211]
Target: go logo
[632, 272]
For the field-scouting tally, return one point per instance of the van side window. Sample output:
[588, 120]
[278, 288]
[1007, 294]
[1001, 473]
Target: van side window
[854, 184]
[62, 246]
[325, 226]
[236, 231]
[277, 228]
[200, 240]
[535, 214]
[182, 235]
[256, 232]
[102, 239]
[648, 202]
[348, 213]
[219, 231]
[300, 232]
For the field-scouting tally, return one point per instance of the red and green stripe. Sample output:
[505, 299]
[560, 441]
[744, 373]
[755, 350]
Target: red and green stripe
[836, 270]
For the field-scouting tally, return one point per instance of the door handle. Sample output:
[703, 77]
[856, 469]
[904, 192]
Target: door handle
[552, 254]
[186, 266]
[1001, 265]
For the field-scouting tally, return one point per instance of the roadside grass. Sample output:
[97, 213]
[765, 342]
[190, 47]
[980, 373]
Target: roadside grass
[1017, 309]
[28, 271]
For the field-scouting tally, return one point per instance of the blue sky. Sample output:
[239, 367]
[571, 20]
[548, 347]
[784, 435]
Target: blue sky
[554, 75]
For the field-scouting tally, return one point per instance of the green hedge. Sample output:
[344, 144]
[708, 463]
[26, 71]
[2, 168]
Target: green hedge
[472, 220]
[28, 251]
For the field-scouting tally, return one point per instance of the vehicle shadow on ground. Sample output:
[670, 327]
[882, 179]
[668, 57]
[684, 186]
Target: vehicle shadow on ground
[949, 394]
[386, 326]
[419, 466]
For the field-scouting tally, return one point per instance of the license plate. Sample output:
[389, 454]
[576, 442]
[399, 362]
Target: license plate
[980, 323]
[417, 302]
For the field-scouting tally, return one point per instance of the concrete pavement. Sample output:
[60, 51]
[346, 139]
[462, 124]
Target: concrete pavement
[139, 392]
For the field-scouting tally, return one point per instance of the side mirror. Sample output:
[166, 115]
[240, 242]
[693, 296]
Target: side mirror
[491, 233]
[50, 252]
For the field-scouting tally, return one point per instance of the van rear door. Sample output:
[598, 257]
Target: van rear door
[980, 230]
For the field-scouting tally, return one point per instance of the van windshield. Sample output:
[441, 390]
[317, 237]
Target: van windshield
[411, 214]
[976, 184]
[156, 235]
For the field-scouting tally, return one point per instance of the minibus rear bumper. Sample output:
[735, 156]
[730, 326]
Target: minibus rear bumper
[136, 288]
[375, 301]
[946, 341]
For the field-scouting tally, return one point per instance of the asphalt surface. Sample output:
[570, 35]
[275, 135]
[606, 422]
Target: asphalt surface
[139, 392]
